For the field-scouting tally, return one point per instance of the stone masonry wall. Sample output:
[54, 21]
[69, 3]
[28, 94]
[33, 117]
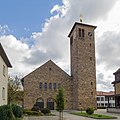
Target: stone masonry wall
[47, 73]
[83, 68]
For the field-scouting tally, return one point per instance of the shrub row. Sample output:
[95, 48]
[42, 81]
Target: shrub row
[43, 110]
[90, 111]
[29, 112]
[17, 110]
[10, 112]
[36, 111]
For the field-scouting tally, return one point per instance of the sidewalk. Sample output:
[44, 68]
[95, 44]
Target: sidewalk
[68, 116]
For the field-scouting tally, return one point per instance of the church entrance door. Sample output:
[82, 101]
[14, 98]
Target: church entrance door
[40, 103]
[50, 104]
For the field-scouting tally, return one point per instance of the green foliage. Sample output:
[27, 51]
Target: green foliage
[10, 112]
[14, 92]
[33, 113]
[17, 110]
[6, 113]
[95, 116]
[35, 108]
[60, 100]
[45, 111]
[90, 111]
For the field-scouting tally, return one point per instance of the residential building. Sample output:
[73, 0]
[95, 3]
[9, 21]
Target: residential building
[105, 99]
[116, 84]
[41, 85]
[4, 64]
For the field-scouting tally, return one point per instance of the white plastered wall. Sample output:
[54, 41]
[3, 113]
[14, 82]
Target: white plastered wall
[3, 82]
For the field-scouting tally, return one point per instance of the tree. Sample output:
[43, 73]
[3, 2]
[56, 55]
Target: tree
[60, 102]
[14, 86]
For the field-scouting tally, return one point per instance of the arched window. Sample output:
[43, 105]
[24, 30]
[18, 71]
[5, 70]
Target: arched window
[81, 32]
[50, 86]
[45, 86]
[40, 103]
[50, 103]
[54, 86]
[40, 85]
[39, 100]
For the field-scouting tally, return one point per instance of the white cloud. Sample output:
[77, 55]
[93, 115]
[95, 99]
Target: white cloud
[4, 29]
[16, 51]
[52, 42]
[61, 10]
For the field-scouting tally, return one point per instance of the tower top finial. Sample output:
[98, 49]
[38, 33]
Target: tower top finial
[81, 18]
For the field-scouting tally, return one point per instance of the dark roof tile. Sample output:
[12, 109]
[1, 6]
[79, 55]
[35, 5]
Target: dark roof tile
[4, 56]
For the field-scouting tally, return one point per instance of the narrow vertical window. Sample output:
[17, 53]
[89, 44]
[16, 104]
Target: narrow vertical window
[91, 93]
[45, 86]
[80, 32]
[91, 58]
[40, 86]
[50, 86]
[90, 44]
[58, 85]
[83, 33]
[91, 83]
[3, 93]
[3, 70]
[54, 86]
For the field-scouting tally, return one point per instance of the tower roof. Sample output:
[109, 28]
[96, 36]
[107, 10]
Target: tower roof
[76, 23]
[118, 71]
[4, 56]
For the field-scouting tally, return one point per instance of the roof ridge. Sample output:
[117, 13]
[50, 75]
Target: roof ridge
[4, 56]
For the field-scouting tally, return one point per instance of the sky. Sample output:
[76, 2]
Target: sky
[33, 32]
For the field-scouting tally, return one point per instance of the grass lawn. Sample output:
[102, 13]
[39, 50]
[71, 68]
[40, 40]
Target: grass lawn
[96, 116]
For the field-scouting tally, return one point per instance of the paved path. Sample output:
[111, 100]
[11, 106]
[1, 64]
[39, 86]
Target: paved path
[68, 116]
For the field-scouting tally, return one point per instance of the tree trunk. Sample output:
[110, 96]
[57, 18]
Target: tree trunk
[62, 114]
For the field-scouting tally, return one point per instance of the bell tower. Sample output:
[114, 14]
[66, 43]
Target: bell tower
[83, 67]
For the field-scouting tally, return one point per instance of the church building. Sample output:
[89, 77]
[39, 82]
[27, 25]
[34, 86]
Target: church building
[41, 85]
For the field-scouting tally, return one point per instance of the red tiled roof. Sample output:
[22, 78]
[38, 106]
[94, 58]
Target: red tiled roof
[77, 23]
[101, 93]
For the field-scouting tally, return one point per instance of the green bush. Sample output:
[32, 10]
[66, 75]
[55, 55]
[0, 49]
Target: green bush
[45, 111]
[6, 113]
[29, 112]
[24, 110]
[90, 111]
[17, 110]
[35, 108]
